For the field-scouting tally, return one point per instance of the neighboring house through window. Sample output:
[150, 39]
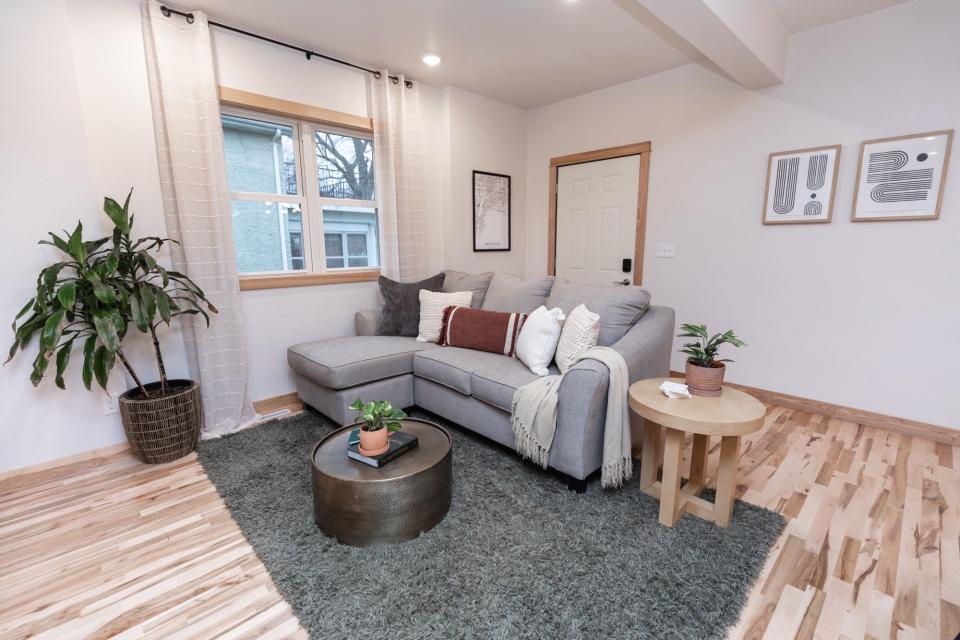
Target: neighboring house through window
[302, 195]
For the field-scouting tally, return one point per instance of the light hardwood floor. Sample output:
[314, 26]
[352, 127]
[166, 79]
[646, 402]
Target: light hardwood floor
[114, 548]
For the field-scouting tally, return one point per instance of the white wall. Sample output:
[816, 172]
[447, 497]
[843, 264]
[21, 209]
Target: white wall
[485, 135]
[863, 315]
[49, 184]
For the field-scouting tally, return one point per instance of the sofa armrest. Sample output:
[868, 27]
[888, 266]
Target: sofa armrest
[646, 347]
[582, 400]
[366, 322]
[581, 414]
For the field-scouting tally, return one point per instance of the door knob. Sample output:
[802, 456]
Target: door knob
[624, 281]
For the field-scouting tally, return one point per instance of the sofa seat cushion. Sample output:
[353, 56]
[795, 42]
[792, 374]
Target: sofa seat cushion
[516, 295]
[453, 367]
[495, 383]
[339, 363]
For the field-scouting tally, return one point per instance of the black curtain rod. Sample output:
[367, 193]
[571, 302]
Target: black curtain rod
[167, 11]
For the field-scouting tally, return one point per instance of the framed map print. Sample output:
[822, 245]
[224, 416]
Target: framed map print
[800, 185]
[902, 178]
[491, 211]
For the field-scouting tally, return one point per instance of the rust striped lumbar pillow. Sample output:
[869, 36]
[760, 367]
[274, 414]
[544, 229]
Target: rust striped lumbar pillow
[492, 331]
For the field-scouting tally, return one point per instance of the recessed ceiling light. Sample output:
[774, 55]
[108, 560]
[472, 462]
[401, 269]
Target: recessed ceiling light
[431, 59]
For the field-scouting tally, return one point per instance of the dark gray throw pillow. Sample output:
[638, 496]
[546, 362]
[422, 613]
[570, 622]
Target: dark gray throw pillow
[401, 305]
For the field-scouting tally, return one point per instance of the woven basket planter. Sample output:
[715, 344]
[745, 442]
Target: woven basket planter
[165, 428]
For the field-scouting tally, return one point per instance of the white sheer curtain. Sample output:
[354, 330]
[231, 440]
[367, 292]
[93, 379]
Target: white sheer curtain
[399, 175]
[196, 204]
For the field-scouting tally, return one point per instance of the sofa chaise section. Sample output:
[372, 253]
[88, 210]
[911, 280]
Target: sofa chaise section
[331, 374]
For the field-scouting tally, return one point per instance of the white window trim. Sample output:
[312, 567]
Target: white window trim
[308, 197]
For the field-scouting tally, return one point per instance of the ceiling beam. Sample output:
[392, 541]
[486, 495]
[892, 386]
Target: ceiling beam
[745, 38]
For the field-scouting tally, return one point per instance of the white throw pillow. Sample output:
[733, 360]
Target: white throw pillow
[538, 339]
[580, 332]
[432, 304]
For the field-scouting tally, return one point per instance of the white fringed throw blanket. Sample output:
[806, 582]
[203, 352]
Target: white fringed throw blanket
[534, 418]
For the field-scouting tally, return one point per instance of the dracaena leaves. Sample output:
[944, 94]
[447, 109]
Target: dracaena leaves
[93, 296]
[117, 214]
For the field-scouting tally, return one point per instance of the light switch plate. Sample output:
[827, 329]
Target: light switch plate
[665, 250]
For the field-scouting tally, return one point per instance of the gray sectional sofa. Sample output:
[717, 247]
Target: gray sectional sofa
[474, 388]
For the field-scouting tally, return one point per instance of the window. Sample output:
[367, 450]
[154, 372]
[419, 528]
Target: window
[302, 195]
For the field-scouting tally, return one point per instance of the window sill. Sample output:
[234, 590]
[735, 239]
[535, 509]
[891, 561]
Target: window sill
[279, 281]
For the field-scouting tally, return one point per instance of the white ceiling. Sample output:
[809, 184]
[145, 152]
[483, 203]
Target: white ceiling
[522, 52]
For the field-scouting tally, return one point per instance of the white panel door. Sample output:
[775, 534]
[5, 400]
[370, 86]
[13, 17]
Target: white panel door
[597, 220]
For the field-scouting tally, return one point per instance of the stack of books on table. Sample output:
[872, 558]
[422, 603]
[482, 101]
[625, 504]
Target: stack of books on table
[400, 443]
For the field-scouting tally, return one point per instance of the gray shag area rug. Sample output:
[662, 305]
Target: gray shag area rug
[518, 555]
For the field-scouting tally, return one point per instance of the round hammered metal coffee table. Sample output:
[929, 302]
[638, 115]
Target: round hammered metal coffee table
[361, 505]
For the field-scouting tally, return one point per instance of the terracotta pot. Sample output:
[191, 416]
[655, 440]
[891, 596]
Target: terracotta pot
[374, 442]
[705, 381]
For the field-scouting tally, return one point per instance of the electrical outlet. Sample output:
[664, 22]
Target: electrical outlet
[111, 404]
[665, 250]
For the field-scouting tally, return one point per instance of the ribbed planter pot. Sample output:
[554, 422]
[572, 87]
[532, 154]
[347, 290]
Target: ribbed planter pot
[162, 429]
[705, 381]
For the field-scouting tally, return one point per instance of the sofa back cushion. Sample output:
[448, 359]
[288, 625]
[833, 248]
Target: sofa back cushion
[401, 305]
[463, 281]
[516, 295]
[491, 331]
[618, 306]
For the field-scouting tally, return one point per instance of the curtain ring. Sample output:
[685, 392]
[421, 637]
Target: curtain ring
[395, 80]
[165, 11]
[189, 18]
[408, 84]
[377, 75]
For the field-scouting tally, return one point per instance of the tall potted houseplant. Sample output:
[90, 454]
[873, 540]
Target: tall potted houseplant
[704, 371]
[90, 300]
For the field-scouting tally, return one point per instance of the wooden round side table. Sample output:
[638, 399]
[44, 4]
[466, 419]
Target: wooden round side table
[730, 415]
[361, 505]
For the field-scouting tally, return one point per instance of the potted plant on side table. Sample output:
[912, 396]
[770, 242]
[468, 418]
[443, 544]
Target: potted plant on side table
[704, 371]
[377, 420]
[91, 299]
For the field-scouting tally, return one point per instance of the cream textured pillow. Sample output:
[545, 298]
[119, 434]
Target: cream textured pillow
[538, 339]
[580, 332]
[432, 304]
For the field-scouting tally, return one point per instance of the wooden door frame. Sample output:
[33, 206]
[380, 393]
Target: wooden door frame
[640, 148]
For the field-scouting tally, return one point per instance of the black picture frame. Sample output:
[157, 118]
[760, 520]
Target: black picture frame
[473, 186]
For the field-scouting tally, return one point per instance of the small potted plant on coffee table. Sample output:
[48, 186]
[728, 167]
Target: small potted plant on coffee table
[378, 419]
[704, 370]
